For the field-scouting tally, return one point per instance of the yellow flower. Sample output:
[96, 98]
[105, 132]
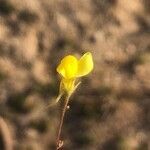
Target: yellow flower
[70, 68]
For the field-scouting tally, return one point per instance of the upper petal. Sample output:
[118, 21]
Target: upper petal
[85, 64]
[68, 67]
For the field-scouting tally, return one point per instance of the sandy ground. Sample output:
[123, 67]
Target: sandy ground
[110, 109]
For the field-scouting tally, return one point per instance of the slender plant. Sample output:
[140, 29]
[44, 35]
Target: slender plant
[70, 69]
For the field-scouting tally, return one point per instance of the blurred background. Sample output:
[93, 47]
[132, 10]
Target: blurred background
[111, 108]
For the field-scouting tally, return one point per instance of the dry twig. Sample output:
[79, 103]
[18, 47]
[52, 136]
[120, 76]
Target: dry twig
[6, 135]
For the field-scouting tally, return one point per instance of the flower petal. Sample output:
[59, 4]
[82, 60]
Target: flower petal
[85, 64]
[68, 67]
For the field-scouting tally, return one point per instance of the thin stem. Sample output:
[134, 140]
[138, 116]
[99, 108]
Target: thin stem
[59, 143]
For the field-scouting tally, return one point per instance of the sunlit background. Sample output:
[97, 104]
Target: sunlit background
[110, 109]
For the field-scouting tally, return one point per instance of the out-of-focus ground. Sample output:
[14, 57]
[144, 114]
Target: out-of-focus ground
[111, 108]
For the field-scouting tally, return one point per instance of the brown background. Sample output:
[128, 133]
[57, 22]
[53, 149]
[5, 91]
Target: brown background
[110, 109]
